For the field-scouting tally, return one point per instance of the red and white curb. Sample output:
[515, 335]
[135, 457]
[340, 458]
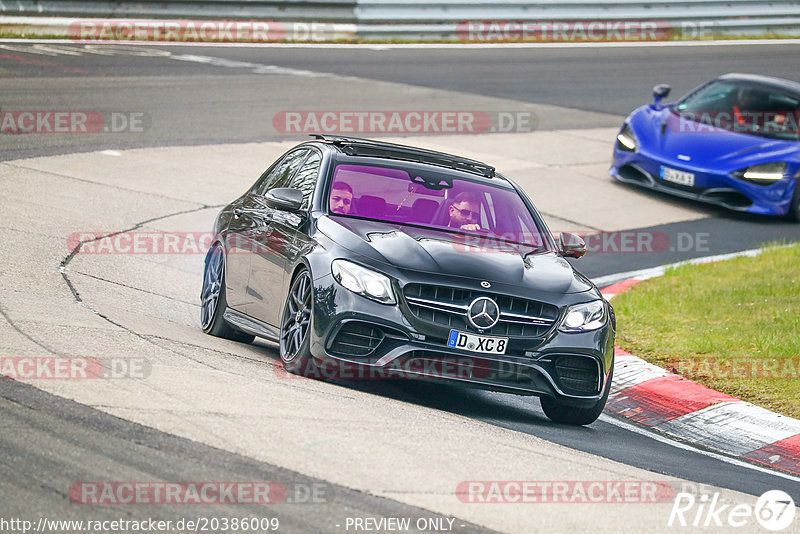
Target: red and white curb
[681, 408]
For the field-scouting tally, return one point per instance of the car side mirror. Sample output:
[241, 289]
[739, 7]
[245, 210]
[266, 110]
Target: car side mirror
[284, 199]
[660, 92]
[571, 245]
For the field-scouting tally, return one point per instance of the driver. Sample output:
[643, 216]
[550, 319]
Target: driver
[465, 211]
[745, 101]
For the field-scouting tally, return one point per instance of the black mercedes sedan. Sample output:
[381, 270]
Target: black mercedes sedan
[365, 259]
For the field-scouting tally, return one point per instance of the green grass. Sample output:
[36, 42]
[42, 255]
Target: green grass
[733, 326]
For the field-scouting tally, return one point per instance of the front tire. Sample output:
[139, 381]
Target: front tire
[571, 415]
[212, 299]
[295, 339]
[794, 208]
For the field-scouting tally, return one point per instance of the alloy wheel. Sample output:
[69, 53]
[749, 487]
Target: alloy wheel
[296, 317]
[212, 284]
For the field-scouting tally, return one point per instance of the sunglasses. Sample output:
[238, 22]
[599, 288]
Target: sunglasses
[467, 213]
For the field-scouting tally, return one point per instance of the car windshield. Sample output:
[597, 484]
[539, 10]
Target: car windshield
[435, 200]
[742, 107]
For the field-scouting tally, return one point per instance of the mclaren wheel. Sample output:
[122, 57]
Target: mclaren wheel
[794, 208]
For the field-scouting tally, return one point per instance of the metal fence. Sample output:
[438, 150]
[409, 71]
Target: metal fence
[280, 10]
[418, 11]
[448, 20]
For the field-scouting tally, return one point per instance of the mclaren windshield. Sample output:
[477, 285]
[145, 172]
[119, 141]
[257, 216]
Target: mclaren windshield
[742, 107]
[435, 199]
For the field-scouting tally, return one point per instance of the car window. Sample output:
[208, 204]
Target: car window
[742, 107]
[280, 174]
[436, 200]
[306, 177]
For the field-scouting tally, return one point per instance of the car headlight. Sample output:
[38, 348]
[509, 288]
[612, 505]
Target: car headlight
[584, 317]
[626, 140]
[763, 173]
[363, 281]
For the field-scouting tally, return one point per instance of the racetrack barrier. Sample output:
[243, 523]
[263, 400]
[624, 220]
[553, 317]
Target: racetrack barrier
[473, 21]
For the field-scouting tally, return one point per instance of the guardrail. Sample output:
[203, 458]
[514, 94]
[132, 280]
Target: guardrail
[280, 10]
[443, 20]
[417, 11]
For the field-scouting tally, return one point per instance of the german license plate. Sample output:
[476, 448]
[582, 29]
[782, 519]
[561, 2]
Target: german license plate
[676, 176]
[475, 343]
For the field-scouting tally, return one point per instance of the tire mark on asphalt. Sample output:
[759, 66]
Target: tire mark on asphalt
[27, 336]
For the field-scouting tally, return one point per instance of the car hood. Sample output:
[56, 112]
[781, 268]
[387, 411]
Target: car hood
[703, 147]
[420, 249]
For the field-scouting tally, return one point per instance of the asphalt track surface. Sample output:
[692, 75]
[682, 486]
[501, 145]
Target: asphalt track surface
[213, 103]
[210, 94]
[94, 446]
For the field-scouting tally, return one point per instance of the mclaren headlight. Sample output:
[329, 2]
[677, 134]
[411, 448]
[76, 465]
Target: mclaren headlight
[763, 173]
[363, 281]
[585, 317]
[626, 140]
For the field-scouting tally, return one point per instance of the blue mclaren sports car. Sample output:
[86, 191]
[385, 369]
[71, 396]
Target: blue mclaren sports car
[733, 141]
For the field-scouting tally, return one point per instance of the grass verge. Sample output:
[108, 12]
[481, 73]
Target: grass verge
[733, 326]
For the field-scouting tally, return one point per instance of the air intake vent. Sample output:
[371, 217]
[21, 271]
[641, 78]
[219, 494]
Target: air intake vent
[578, 373]
[356, 338]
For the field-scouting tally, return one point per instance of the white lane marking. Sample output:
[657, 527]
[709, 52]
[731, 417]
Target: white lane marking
[733, 427]
[78, 50]
[111, 153]
[680, 445]
[400, 46]
[112, 49]
[258, 68]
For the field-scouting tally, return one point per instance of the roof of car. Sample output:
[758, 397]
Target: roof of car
[777, 83]
[356, 146]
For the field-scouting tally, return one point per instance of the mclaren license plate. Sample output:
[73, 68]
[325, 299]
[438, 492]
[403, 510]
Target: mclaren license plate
[475, 343]
[677, 177]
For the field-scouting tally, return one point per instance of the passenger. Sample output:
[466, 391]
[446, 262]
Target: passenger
[341, 198]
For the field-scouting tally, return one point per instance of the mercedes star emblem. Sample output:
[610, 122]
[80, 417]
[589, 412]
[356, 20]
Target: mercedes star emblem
[483, 313]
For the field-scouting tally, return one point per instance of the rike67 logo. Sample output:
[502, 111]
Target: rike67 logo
[774, 511]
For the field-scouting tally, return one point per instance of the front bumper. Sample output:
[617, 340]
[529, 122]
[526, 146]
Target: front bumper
[355, 338]
[712, 187]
